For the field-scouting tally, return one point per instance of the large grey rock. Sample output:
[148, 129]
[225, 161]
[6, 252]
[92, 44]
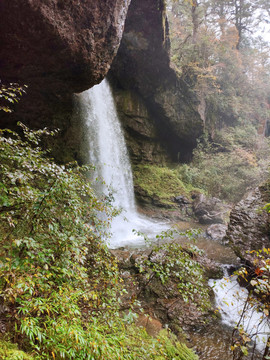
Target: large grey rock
[210, 210]
[249, 224]
[217, 232]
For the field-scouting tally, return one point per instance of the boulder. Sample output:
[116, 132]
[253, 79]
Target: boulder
[210, 210]
[217, 231]
[151, 325]
[249, 224]
[57, 48]
[65, 45]
[161, 300]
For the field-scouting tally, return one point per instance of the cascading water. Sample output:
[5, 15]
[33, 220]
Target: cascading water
[108, 152]
[231, 299]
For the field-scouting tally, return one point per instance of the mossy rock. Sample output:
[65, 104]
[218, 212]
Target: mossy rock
[159, 185]
[9, 351]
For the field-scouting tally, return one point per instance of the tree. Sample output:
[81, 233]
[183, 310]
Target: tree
[210, 52]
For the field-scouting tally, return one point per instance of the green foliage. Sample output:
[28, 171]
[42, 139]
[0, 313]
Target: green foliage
[57, 277]
[9, 351]
[51, 229]
[160, 183]
[228, 72]
[257, 280]
[233, 161]
[229, 165]
[174, 349]
[10, 94]
[173, 263]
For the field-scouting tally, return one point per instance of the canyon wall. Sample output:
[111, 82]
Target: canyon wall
[142, 67]
[57, 48]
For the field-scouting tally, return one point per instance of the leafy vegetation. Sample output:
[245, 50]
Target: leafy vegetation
[229, 166]
[9, 351]
[218, 52]
[176, 265]
[257, 280]
[59, 285]
[9, 94]
[224, 167]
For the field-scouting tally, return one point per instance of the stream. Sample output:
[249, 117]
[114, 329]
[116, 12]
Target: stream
[110, 156]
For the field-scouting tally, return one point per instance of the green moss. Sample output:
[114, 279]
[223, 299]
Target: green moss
[161, 184]
[9, 351]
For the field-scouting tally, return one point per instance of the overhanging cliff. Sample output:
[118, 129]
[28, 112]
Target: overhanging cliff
[66, 45]
[59, 47]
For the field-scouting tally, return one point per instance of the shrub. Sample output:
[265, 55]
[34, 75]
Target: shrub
[228, 167]
[59, 283]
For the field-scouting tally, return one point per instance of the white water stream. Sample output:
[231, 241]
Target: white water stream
[230, 300]
[110, 156]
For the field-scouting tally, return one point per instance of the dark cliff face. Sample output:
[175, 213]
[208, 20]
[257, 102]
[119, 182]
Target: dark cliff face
[141, 132]
[142, 66]
[249, 226]
[66, 45]
[60, 47]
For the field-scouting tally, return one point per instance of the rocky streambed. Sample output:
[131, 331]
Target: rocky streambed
[164, 306]
[163, 303]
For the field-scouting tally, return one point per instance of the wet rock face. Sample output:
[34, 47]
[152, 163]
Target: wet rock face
[142, 137]
[217, 231]
[249, 224]
[66, 45]
[142, 65]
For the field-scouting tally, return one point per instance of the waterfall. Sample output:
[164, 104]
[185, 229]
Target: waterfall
[230, 299]
[108, 152]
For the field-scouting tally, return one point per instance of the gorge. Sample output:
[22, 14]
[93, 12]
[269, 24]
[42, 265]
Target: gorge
[184, 124]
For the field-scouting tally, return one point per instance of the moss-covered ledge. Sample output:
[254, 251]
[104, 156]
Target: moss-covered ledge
[159, 186]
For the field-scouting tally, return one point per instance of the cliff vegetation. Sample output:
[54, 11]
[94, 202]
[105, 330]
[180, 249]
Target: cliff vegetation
[60, 286]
